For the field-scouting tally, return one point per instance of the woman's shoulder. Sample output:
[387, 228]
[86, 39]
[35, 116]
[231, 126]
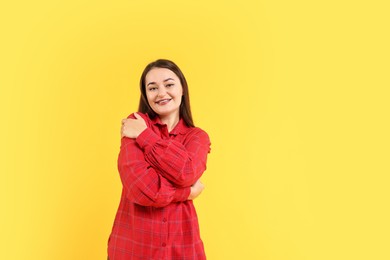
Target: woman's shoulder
[145, 116]
[198, 136]
[196, 131]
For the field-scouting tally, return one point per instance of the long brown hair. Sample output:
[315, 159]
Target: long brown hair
[185, 109]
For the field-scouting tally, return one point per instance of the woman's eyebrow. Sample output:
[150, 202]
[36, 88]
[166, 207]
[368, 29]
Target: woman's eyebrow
[151, 83]
[169, 79]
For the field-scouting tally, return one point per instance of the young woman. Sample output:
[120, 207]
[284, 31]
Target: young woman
[161, 159]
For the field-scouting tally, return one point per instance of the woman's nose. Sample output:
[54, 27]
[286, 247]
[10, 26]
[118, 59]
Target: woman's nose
[161, 92]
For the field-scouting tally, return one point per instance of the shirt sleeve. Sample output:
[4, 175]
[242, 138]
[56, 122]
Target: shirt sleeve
[182, 164]
[143, 184]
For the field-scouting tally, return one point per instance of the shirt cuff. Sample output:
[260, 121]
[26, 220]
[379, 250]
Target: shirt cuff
[182, 194]
[147, 139]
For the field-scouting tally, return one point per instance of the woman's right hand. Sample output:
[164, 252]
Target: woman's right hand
[196, 190]
[132, 128]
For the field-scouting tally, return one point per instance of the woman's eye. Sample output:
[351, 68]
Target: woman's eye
[152, 89]
[169, 85]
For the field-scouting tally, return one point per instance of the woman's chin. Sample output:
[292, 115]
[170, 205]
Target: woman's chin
[165, 112]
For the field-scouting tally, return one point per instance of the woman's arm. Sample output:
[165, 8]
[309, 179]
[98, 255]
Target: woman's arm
[143, 185]
[182, 164]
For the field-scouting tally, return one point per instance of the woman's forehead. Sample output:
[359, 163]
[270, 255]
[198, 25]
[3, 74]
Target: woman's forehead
[160, 74]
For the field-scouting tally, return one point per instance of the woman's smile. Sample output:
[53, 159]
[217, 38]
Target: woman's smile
[163, 102]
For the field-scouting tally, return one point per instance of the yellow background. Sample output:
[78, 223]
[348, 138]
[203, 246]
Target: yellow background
[294, 94]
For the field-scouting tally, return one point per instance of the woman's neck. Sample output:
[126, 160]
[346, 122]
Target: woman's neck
[170, 120]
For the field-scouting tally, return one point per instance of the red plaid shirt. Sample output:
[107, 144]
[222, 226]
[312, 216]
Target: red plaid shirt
[154, 219]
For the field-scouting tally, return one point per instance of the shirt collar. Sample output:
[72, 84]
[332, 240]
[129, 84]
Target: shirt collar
[180, 128]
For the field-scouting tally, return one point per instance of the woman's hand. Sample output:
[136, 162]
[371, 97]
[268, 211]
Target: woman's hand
[196, 190]
[132, 128]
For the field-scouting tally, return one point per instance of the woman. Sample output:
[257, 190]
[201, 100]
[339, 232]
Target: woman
[161, 159]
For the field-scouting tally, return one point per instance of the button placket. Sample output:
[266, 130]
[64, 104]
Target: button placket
[164, 227]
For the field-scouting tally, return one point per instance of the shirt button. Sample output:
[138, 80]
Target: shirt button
[164, 220]
[164, 244]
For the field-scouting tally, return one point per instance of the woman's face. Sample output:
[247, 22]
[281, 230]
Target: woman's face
[163, 91]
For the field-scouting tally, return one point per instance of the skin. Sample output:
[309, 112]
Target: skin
[164, 93]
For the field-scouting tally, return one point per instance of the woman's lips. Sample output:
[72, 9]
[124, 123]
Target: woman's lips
[163, 101]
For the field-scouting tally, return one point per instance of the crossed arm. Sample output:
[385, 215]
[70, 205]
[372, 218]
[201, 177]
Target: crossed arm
[143, 184]
[156, 172]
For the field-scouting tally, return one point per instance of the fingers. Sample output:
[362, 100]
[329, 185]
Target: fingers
[124, 121]
[137, 116]
[123, 126]
[197, 181]
[198, 185]
[132, 127]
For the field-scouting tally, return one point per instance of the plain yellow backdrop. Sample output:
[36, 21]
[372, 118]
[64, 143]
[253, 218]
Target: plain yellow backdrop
[294, 95]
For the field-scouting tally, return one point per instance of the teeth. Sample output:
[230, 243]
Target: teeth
[164, 100]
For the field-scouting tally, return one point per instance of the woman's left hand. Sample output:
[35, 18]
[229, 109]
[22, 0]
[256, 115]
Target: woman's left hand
[132, 128]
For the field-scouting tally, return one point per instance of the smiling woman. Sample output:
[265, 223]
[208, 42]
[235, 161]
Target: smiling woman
[162, 70]
[161, 159]
[164, 93]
